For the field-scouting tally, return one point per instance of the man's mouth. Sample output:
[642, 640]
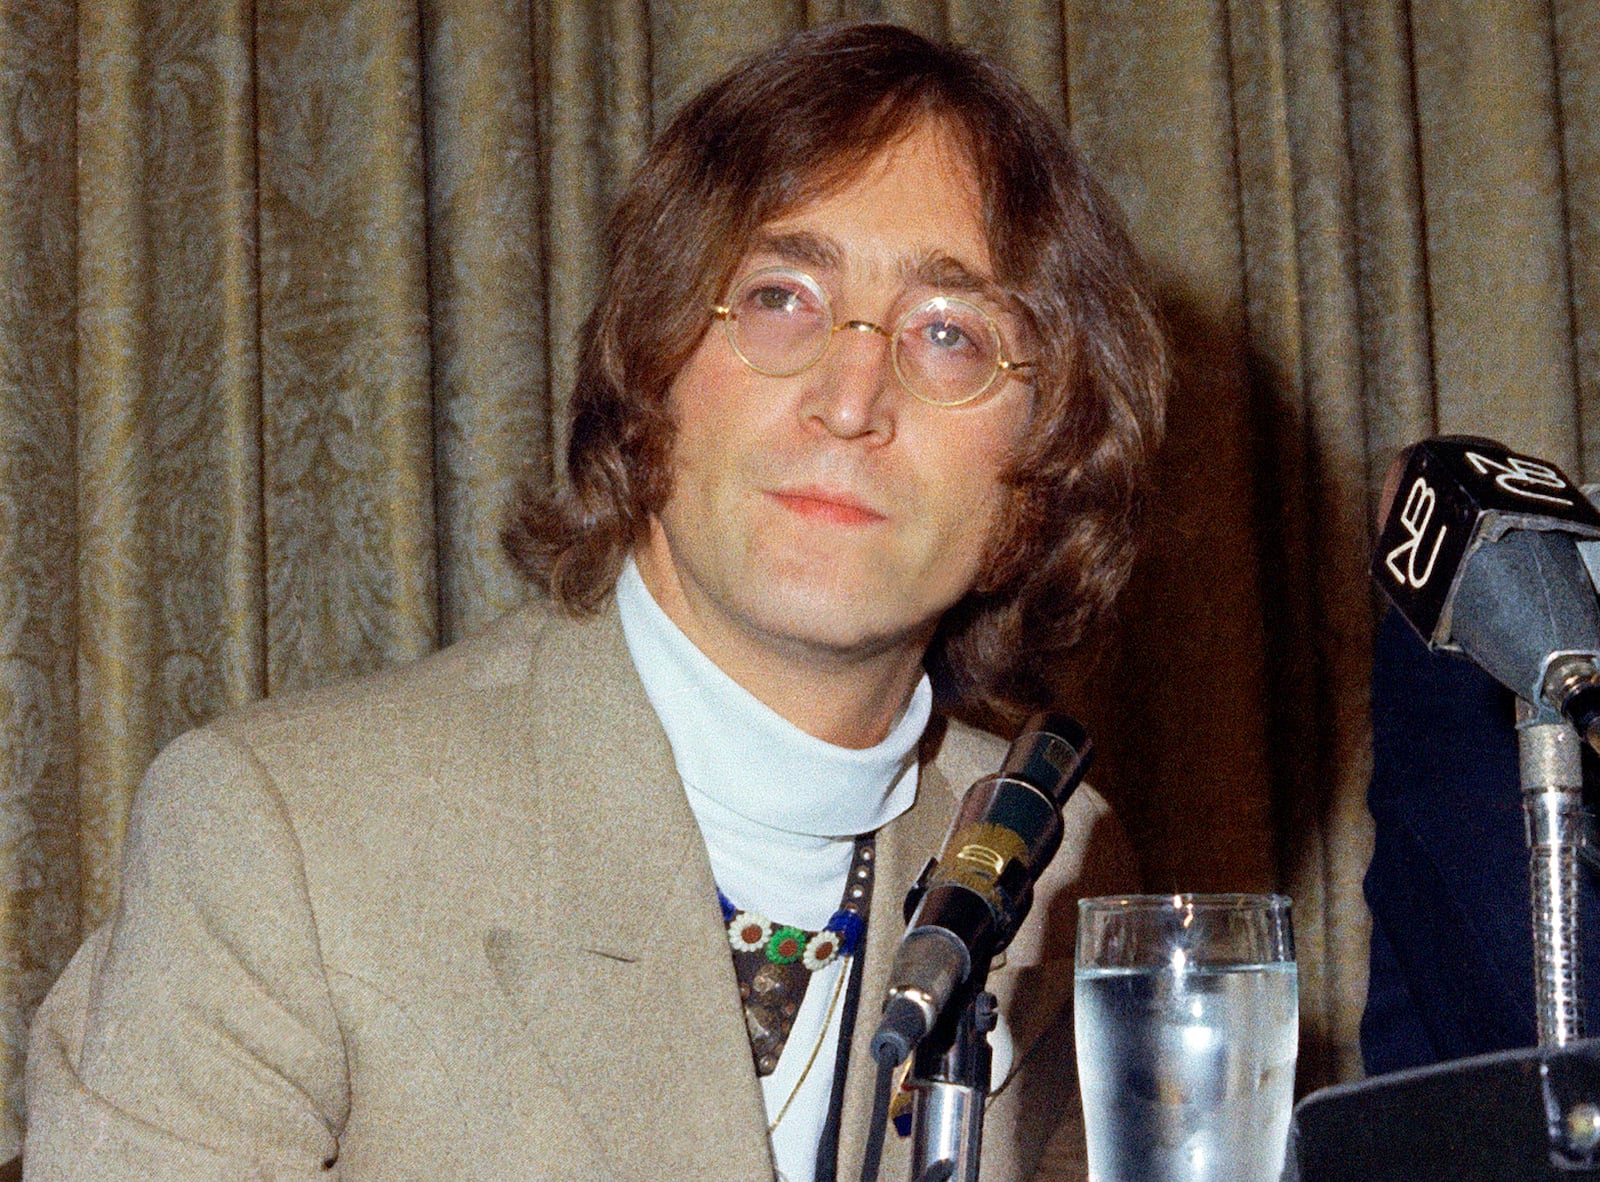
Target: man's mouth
[827, 505]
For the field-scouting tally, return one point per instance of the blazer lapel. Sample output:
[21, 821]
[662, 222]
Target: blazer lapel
[627, 985]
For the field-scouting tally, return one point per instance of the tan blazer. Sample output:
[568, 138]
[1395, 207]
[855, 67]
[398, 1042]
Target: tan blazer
[456, 921]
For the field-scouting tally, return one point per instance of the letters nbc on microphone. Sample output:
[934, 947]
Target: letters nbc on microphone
[1492, 554]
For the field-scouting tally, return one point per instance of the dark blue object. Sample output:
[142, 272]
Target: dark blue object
[1452, 946]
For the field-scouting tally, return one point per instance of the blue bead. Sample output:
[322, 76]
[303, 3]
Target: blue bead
[850, 927]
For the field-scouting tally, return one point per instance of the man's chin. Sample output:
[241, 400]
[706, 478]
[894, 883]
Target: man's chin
[842, 626]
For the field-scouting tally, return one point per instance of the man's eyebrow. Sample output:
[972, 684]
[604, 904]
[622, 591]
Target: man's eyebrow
[928, 269]
[939, 270]
[801, 248]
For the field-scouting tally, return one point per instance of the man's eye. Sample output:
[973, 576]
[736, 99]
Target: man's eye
[949, 334]
[945, 334]
[777, 299]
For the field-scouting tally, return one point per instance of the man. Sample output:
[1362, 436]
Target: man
[870, 393]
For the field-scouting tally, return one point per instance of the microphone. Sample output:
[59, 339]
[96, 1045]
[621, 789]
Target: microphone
[1487, 553]
[968, 902]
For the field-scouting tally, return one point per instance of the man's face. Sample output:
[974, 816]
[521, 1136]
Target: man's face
[830, 515]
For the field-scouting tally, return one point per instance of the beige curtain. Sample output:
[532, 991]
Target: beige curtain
[289, 292]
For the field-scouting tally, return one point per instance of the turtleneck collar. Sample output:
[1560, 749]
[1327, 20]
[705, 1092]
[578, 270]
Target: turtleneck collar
[778, 808]
[744, 758]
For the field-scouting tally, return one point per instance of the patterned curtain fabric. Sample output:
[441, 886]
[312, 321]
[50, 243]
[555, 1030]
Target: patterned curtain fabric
[289, 291]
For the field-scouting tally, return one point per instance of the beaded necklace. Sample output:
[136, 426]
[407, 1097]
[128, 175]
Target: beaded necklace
[774, 963]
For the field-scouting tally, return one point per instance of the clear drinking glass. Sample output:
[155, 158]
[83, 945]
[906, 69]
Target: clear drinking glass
[1187, 1018]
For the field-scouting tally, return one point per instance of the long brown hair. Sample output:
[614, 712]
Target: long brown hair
[785, 127]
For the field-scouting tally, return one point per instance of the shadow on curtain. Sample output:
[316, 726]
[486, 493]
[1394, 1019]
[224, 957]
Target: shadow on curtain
[289, 296]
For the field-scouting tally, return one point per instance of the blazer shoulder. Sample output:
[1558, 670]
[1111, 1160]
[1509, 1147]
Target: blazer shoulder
[503, 656]
[408, 743]
[963, 753]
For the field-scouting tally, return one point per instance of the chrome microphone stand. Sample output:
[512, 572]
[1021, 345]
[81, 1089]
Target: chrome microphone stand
[1552, 800]
[950, 1085]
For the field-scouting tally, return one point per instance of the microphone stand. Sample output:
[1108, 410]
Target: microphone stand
[950, 1084]
[1541, 1106]
[1539, 1103]
[1552, 801]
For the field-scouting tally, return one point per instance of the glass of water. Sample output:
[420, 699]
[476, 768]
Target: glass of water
[1187, 1018]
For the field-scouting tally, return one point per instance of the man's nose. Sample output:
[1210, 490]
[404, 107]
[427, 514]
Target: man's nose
[853, 389]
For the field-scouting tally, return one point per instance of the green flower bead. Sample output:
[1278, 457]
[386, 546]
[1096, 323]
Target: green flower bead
[786, 946]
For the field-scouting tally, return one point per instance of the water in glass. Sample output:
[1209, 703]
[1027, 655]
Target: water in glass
[1187, 1073]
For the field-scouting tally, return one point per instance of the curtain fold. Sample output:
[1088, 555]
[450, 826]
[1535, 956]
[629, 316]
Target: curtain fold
[1296, 193]
[1391, 233]
[1577, 66]
[117, 607]
[1153, 108]
[347, 449]
[40, 846]
[485, 260]
[1490, 152]
[291, 294]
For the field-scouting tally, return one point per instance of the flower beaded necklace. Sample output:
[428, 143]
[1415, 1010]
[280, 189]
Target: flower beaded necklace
[774, 963]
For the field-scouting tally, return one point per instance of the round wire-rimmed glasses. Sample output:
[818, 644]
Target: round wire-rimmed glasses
[946, 351]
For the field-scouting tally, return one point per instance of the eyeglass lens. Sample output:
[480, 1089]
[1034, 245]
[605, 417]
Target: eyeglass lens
[946, 350]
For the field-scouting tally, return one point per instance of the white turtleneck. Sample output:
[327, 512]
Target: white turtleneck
[779, 810]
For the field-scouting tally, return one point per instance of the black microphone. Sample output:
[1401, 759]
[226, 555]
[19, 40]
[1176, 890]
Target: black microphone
[969, 901]
[1481, 550]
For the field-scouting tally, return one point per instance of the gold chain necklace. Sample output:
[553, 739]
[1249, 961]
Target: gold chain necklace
[816, 1049]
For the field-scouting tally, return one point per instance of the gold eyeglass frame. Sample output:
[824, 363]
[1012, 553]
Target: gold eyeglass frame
[726, 314]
